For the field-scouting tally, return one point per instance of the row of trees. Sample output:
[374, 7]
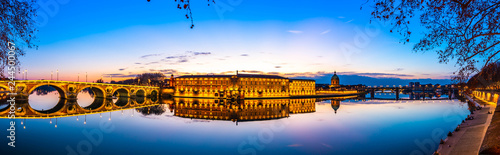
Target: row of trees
[488, 77]
[154, 79]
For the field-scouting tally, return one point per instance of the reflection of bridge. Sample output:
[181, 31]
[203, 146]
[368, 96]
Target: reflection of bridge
[410, 90]
[67, 108]
[70, 89]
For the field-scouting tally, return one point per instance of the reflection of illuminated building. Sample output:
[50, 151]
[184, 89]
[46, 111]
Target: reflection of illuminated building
[302, 105]
[335, 105]
[246, 110]
[241, 86]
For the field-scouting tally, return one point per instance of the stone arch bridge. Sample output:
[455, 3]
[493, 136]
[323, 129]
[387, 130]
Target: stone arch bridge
[69, 89]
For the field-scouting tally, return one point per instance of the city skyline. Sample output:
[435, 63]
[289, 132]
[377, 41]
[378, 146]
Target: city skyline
[157, 38]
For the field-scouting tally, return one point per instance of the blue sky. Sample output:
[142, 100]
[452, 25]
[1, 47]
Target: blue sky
[293, 39]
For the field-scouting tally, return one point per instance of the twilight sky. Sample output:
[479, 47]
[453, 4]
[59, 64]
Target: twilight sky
[292, 39]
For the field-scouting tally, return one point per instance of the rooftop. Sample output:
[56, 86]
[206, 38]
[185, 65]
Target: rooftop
[239, 75]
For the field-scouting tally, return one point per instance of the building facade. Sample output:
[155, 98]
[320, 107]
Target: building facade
[302, 87]
[241, 86]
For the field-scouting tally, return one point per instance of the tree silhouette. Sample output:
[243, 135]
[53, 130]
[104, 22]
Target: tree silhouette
[184, 4]
[17, 28]
[463, 30]
[99, 81]
[154, 79]
[489, 76]
[156, 110]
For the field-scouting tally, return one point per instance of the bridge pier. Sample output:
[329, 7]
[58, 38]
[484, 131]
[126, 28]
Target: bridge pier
[397, 93]
[372, 93]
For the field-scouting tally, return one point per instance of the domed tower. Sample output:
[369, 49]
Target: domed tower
[335, 80]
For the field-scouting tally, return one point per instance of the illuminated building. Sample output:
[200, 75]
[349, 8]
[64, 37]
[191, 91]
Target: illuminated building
[299, 87]
[241, 86]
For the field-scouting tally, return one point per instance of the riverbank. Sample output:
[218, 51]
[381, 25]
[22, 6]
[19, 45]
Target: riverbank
[491, 142]
[468, 139]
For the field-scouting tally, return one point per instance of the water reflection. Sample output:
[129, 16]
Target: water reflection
[48, 105]
[152, 110]
[213, 109]
[315, 125]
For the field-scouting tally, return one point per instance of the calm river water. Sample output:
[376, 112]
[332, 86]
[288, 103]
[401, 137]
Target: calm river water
[285, 126]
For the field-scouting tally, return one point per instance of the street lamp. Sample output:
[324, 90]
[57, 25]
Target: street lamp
[86, 76]
[51, 74]
[78, 79]
[57, 76]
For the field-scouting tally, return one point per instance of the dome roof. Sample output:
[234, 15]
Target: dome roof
[335, 77]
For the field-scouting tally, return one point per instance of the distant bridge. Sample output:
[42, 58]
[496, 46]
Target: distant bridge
[70, 89]
[416, 90]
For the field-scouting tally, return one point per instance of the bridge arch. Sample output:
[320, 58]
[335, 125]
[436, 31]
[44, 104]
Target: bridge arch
[98, 91]
[97, 104]
[140, 92]
[4, 87]
[153, 93]
[60, 90]
[121, 101]
[140, 100]
[121, 92]
[60, 106]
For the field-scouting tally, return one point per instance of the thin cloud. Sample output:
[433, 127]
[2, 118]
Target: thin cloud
[341, 17]
[122, 69]
[244, 55]
[117, 75]
[398, 69]
[273, 73]
[325, 32]
[179, 58]
[252, 71]
[277, 66]
[295, 31]
[150, 63]
[201, 53]
[150, 55]
[349, 21]
[295, 145]
[326, 145]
